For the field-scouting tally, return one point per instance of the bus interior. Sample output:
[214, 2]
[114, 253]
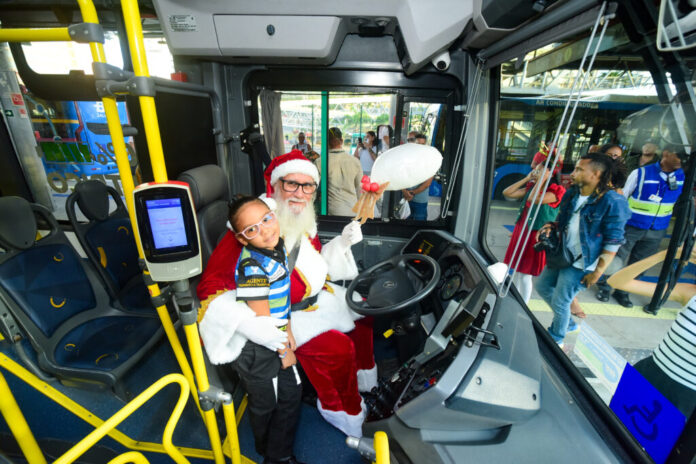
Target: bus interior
[99, 97]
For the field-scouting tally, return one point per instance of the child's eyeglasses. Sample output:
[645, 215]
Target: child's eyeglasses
[253, 230]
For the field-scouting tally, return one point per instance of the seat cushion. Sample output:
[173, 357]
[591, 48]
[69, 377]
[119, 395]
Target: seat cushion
[49, 284]
[105, 343]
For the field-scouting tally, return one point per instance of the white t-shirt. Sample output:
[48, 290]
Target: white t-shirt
[366, 161]
[676, 353]
[573, 233]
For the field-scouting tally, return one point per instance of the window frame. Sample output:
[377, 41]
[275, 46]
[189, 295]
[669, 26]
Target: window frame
[426, 87]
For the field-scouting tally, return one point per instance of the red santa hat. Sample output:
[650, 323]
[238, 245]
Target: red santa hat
[294, 162]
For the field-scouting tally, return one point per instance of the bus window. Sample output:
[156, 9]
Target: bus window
[74, 144]
[428, 120]
[367, 126]
[67, 57]
[620, 109]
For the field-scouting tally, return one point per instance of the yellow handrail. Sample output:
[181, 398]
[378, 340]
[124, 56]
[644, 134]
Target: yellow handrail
[232, 437]
[88, 417]
[83, 445]
[51, 34]
[194, 343]
[18, 424]
[131, 456]
[381, 448]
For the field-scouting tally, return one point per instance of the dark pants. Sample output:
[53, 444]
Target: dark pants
[640, 243]
[679, 395]
[273, 416]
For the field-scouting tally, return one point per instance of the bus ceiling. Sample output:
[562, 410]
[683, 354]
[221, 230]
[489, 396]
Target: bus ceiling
[311, 32]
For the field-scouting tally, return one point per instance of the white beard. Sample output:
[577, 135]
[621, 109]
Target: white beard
[294, 224]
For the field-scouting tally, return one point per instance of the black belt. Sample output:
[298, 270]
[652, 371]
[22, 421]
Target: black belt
[304, 304]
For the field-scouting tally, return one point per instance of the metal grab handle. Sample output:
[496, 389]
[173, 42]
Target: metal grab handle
[83, 445]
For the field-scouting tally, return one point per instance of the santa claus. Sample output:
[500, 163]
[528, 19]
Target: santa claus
[334, 345]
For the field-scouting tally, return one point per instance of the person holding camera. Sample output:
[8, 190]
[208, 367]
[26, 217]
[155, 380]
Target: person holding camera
[590, 230]
[532, 259]
[366, 153]
[652, 192]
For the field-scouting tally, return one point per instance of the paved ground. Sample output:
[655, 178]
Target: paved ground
[632, 333]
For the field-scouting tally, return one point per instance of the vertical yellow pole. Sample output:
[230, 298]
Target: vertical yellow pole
[89, 14]
[131, 15]
[18, 424]
[381, 448]
[232, 437]
[194, 342]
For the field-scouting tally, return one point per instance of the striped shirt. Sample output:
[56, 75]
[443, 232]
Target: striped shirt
[263, 275]
[676, 353]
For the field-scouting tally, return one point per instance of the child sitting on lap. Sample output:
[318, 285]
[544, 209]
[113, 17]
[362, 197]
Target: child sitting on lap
[270, 378]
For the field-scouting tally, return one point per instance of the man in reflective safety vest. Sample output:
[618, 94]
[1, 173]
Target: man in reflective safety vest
[651, 191]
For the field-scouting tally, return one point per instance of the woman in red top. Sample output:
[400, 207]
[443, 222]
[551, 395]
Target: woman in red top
[531, 262]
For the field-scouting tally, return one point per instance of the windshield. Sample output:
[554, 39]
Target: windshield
[642, 117]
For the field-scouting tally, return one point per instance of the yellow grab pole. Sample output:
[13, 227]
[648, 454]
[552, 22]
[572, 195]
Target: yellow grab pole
[83, 445]
[89, 14]
[194, 343]
[232, 436]
[131, 456]
[52, 34]
[381, 448]
[131, 17]
[18, 424]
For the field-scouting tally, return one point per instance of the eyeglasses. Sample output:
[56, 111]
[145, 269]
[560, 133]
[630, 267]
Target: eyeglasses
[253, 230]
[292, 186]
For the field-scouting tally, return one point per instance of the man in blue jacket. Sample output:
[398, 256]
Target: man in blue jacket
[592, 217]
[651, 191]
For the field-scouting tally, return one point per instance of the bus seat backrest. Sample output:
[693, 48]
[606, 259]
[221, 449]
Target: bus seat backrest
[46, 277]
[60, 303]
[107, 237]
[18, 225]
[208, 186]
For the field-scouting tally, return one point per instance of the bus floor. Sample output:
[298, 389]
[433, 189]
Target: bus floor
[56, 427]
[632, 333]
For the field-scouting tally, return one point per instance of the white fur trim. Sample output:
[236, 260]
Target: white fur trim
[332, 314]
[296, 166]
[218, 328]
[367, 379]
[349, 424]
[340, 260]
[270, 202]
[312, 266]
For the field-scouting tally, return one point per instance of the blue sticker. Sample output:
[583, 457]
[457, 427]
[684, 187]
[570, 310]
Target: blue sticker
[650, 417]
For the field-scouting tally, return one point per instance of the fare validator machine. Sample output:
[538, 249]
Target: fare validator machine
[168, 230]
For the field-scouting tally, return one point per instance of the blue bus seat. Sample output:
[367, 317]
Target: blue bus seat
[60, 304]
[109, 243]
[208, 185]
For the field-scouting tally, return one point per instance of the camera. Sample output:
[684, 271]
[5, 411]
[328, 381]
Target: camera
[359, 139]
[442, 60]
[548, 241]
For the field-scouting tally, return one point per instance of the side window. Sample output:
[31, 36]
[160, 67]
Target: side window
[607, 333]
[72, 137]
[361, 126]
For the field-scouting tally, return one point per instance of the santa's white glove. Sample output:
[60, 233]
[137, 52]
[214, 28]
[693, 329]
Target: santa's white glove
[351, 234]
[264, 331]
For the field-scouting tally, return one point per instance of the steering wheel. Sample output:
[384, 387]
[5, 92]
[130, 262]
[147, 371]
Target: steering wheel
[388, 282]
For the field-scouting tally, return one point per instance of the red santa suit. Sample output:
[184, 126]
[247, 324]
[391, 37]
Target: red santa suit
[335, 346]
